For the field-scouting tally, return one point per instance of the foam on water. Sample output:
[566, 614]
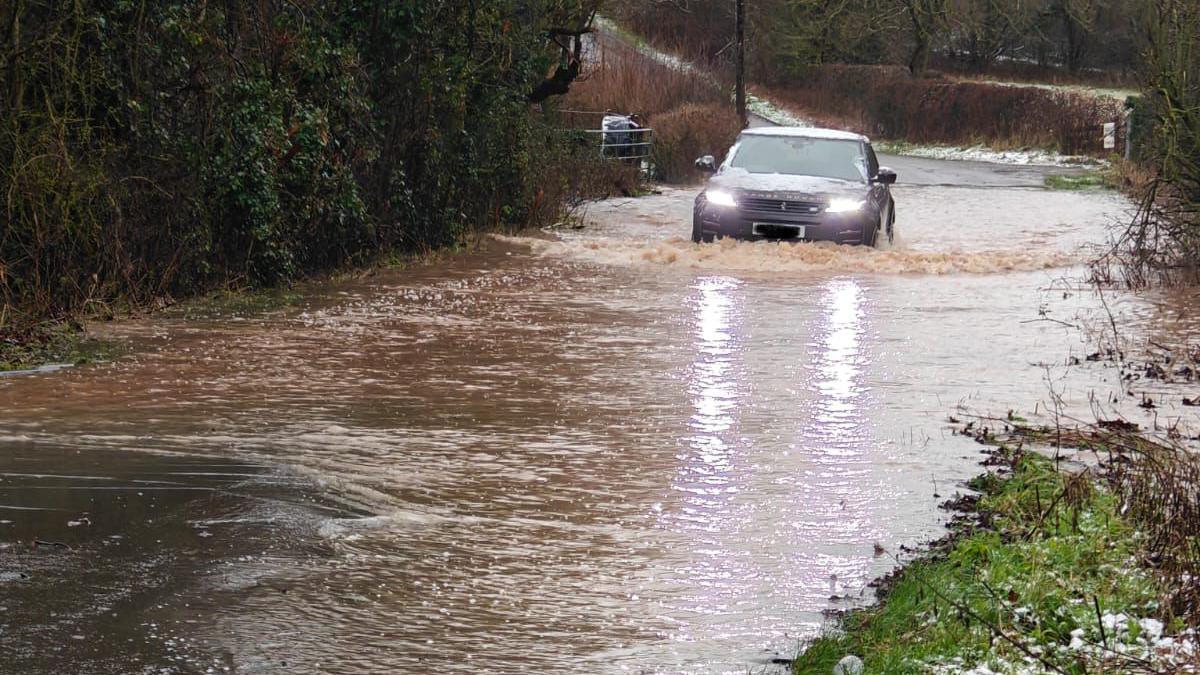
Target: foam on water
[729, 255]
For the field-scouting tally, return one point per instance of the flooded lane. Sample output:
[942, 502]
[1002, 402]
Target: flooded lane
[602, 451]
[97, 548]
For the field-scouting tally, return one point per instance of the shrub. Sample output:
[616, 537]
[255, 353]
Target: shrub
[689, 110]
[623, 79]
[886, 102]
[568, 171]
[1165, 237]
[161, 149]
[689, 131]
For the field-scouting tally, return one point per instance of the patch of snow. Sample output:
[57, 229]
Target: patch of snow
[1113, 93]
[1175, 654]
[1115, 622]
[774, 114]
[1152, 628]
[955, 667]
[609, 26]
[980, 153]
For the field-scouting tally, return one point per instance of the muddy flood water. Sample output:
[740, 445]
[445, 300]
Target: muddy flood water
[601, 451]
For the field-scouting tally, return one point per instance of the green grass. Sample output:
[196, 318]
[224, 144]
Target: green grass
[1033, 574]
[1084, 181]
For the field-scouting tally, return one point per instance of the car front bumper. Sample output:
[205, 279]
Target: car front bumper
[717, 222]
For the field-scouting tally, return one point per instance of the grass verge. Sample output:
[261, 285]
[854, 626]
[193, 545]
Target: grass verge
[1084, 181]
[1047, 574]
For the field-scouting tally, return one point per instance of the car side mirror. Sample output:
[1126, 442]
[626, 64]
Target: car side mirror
[885, 176]
[707, 164]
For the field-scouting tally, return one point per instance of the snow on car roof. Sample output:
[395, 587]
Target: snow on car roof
[806, 132]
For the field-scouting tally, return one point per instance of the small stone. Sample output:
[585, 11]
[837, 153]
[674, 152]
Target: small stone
[849, 665]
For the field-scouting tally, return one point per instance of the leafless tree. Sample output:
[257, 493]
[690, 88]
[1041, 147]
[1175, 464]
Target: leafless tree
[572, 21]
[929, 20]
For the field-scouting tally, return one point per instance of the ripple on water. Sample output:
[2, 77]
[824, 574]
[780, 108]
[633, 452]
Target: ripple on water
[624, 453]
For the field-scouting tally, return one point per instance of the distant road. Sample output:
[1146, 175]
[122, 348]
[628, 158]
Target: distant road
[924, 171]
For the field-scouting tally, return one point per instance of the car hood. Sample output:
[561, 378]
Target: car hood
[785, 186]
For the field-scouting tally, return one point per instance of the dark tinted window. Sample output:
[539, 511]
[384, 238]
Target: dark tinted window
[823, 157]
[872, 162]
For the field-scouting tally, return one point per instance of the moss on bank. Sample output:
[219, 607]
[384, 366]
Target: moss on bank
[59, 344]
[1044, 578]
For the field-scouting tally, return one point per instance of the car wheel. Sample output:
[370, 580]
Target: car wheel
[697, 234]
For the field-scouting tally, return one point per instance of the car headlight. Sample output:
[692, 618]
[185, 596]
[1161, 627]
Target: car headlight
[720, 198]
[845, 205]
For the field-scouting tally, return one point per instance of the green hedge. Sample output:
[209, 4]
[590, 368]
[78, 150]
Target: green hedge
[155, 148]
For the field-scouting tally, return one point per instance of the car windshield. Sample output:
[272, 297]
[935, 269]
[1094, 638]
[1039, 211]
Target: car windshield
[827, 158]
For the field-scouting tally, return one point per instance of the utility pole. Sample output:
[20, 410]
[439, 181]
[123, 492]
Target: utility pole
[740, 21]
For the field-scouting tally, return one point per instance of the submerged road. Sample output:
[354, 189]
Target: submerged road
[607, 450]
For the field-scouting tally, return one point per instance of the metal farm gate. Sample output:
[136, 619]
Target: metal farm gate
[615, 135]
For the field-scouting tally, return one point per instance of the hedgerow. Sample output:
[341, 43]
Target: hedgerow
[154, 149]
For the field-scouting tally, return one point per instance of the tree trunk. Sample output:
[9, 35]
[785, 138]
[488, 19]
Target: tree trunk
[1074, 51]
[919, 61]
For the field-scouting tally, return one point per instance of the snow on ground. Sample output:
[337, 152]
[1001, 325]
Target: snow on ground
[979, 153]
[609, 26]
[773, 113]
[1137, 639]
[1114, 93]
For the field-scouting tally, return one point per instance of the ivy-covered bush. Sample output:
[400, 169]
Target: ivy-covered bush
[161, 148]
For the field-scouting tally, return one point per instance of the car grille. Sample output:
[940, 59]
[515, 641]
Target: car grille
[761, 205]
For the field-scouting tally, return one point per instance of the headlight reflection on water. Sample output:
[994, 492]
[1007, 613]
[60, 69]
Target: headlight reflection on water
[837, 416]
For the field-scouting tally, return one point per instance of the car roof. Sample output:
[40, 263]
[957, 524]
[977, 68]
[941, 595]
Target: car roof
[806, 132]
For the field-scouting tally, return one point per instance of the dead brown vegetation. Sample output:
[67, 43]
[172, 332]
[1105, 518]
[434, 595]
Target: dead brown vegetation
[886, 102]
[621, 78]
[688, 132]
[1163, 242]
[1159, 487]
[689, 110]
